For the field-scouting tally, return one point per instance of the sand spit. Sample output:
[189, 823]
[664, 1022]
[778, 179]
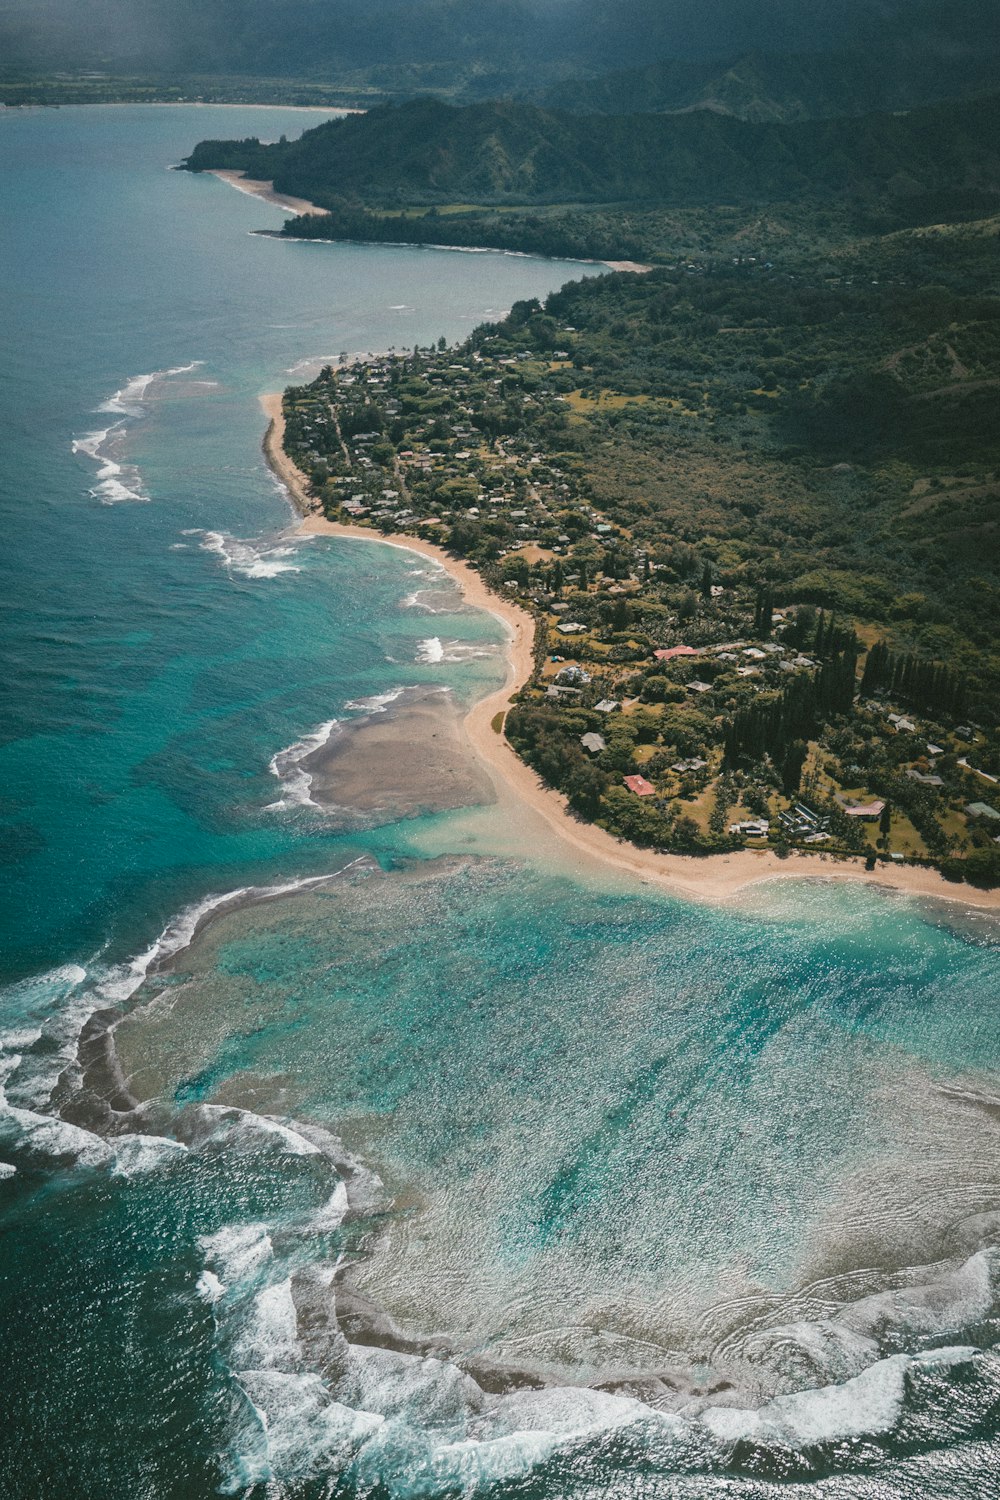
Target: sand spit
[535, 809]
[265, 190]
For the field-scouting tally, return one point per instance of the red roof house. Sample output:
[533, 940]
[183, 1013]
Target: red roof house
[640, 786]
[672, 651]
[868, 810]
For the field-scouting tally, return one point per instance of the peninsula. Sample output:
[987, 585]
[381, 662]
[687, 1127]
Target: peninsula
[686, 694]
[750, 497]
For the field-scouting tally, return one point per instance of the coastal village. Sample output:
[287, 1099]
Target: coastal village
[677, 707]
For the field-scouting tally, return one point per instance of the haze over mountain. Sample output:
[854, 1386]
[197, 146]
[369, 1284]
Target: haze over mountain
[923, 56]
[494, 46]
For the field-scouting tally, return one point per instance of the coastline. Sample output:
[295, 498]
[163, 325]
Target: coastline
[714, 878]
[257, 188]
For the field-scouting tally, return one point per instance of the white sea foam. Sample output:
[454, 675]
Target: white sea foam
[419, 600]
[869, 1404]
[175, 937]
[135, 1155]
[128, 401]
[377, 703]
[44, 1139]
[331, 1215]
[286, 765]
[237, 1251]
[431, 650]
[268, 1339]
[47, 1006]
[434, 651]
[226, 1119]
[7, 1169]
[118, 482]
[115, 482]
[250, 559]
[209, 1288]
[305, 1433]
[945, 1301]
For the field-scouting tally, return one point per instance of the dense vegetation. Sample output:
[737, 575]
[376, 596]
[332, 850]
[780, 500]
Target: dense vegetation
[790, 470]
[897, 69]
[429, 152]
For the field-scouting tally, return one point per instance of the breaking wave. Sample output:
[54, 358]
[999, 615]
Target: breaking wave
[249, 559]
[118, 481]
[434, 651]
[287, 766]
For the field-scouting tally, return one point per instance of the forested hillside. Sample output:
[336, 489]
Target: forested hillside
[760, 86]
[429, 152]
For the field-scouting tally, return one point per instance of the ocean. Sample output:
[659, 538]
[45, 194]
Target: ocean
[345, 1153]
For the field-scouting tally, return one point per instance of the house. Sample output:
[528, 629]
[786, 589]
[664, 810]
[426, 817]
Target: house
[571, 627]
[594, 743]
[758, 828]
[689, 765]
[934, 749]
[562, 692]
[982, 810]
[640, 786]
[754, 652]
[607, 706]
[866, 811]
[573, 676]
[670, 652]
[903, 725]
[699, 687]
[919, 776]
[802, 823]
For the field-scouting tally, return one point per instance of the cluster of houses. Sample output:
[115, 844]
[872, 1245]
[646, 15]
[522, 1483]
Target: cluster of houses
[456, 466]
[423, 443]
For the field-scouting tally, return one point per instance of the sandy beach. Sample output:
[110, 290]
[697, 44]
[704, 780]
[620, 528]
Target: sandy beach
[713, 878]
[265, 190]
[360, 768]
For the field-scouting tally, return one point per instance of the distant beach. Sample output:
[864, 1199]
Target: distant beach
[525, 800]
[265, 190]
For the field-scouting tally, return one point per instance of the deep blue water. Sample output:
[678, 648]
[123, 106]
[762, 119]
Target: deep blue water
[725, 1181]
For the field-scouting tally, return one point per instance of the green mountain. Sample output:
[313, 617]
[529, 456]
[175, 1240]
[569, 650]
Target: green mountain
[429, 152]
[762, 86]
[482, 46]
[895, 60]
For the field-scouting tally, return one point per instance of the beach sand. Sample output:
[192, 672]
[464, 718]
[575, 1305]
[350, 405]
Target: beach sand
[634, 266]
[258, 189]
[534, 812]
[410, 758]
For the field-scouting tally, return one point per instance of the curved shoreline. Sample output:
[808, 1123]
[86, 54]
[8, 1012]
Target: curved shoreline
[257, 188]
[714, 878]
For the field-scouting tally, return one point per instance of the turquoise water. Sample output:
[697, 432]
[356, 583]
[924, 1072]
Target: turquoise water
[705, 1202]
